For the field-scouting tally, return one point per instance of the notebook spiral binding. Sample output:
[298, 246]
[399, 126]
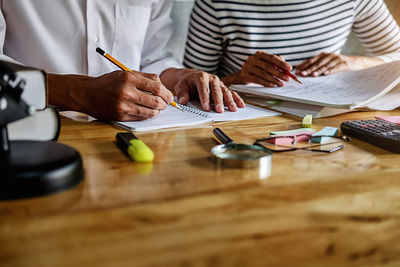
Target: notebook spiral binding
[194, 110]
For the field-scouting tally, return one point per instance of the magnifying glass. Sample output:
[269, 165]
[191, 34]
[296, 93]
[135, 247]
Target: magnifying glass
[240, 155]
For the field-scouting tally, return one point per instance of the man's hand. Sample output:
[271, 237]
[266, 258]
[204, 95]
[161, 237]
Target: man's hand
[329, 63]
[119, 95]
[190, 83]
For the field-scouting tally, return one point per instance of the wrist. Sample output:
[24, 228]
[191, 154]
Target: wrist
[67, 92]
[362, 62]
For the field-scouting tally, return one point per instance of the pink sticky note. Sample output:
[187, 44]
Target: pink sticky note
[394, 119]
[303, 137]
[281, 141]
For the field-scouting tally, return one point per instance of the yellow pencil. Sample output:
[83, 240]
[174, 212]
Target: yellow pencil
[123, 67]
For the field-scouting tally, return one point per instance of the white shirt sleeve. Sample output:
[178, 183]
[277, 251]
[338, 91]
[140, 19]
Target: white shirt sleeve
[155, 55]
[2, 38]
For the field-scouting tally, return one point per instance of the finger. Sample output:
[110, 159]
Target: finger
[267, 67]
[228, 99]
[182, 92]
[217, 95]
[238, 100]
[274, 59]
[150, 76]
[336, 68]
[203, 89]
[263, 75]
[151, 86]
[313, 69]
[146, 100]
[307, 63]
[325, 67]
[129, 110]
[249, 78]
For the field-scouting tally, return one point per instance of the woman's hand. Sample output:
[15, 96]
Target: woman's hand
[261, 68]
[264, 69]
[329, 63]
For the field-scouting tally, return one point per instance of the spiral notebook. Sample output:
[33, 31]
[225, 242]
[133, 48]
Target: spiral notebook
[172, 117]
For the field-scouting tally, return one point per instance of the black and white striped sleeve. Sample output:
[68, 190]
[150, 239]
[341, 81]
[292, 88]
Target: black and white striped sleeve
[377, 30]
[204, 42]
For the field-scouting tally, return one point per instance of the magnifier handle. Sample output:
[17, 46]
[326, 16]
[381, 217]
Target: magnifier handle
[222, 137]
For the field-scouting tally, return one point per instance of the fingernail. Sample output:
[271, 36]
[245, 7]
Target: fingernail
[315, 73]
[304, 73]
[207, 106]
[181, 100]
[220, 108]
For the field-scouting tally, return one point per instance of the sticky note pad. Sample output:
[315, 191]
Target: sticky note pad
[307, 121]
[394, 119]
[325, 131]
[301, 131]
[281, 141]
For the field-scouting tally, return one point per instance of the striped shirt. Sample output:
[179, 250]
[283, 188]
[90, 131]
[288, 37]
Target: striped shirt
[222, 34]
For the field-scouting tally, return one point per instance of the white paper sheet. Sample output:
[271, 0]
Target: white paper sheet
[342, 90]
[172, 117]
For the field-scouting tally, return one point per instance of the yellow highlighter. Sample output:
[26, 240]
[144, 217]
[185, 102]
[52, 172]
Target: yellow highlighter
[135, 147]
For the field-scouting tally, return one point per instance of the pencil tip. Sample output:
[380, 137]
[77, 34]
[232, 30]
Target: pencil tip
[297, 80]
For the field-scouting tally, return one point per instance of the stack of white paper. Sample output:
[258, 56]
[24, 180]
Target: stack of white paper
[373, 88]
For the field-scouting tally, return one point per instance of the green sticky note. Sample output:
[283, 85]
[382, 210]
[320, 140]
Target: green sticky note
[273, 102]
[307, 121]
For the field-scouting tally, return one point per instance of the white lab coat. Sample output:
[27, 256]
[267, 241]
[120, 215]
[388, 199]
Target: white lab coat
[61, 36]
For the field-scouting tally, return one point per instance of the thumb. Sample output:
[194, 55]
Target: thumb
[182, 93]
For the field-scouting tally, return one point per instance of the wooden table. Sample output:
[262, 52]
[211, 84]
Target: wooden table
[339, 209]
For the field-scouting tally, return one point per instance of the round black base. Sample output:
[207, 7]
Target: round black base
[36, 168]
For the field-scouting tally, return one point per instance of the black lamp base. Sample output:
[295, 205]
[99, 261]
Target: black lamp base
[36, 168]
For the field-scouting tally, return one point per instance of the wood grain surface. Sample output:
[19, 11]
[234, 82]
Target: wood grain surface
[338, 209]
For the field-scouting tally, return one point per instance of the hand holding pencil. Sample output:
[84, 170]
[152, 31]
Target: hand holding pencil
[123, 67]
[267, 70]
[117, 95]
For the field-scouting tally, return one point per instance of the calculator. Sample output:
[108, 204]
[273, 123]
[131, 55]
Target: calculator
[376, 132]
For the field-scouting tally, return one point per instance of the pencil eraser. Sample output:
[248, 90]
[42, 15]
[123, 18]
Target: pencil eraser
[139, 151]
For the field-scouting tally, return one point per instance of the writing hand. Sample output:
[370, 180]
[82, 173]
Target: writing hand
[263, 68]
[118, 95]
